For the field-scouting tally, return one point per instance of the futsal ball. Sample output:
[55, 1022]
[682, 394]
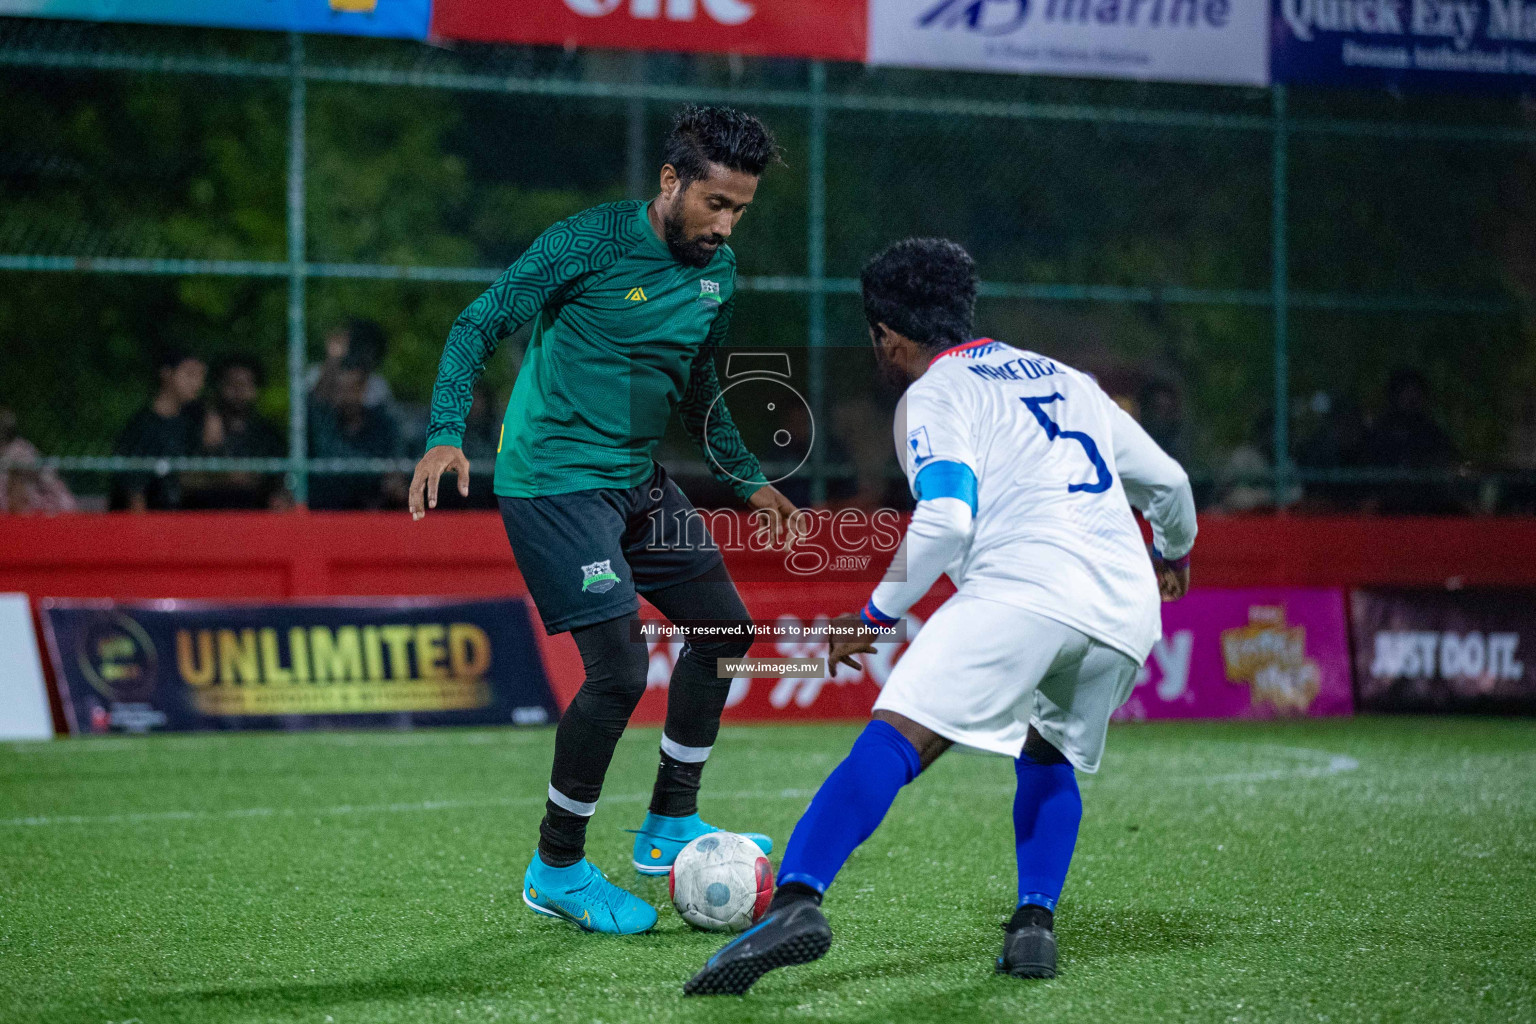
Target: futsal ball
[721, 882]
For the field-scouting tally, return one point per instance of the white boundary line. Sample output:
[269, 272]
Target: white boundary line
[1337, 764]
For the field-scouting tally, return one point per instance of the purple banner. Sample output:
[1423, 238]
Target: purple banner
[1264, 653]
[1438, 650]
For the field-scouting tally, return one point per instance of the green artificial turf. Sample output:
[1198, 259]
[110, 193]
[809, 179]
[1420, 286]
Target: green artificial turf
[1324, 871]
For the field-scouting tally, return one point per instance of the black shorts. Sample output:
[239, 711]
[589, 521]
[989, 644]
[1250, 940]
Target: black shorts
[585, 555]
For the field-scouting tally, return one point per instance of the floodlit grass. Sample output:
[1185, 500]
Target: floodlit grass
[1325, 871]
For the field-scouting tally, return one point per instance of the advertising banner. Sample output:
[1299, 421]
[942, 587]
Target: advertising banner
[1261, 653]
[24, 713]
[830, 29]
[399, 18]
[1437, 650]
[189, 665]
[1216, 41]
[1424, 44]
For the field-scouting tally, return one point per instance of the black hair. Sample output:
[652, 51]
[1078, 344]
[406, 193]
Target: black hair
[240, 360]
[366, 340]
[924, 289]
[701, 136]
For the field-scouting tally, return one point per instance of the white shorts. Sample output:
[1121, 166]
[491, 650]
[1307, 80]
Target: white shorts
[981, 673]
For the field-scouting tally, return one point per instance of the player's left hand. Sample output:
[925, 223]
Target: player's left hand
[786, 523]
[1172, 577]
[842, 651]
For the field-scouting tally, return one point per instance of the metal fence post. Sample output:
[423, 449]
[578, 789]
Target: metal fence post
[638, 180]
[1280, 299]
[298, 426]
[816, 268]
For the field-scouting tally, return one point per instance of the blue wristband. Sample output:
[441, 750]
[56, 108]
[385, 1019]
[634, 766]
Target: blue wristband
[1174, 563]
[872, 616]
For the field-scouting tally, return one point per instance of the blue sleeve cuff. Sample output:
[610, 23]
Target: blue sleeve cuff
[946, 480]
[872, 616]
[1182, 562]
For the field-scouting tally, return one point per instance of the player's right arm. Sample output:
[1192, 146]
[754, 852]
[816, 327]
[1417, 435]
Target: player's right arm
[1158, 487]
[934, 446]
[549, 270]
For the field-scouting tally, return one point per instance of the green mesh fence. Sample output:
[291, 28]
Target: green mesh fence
[1244, 268]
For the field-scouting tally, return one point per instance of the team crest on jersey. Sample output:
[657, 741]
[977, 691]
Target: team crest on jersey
[598, 577]
[917, 444]
[709, 293]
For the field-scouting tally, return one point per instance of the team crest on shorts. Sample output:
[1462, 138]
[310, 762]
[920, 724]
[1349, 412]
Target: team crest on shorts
[598, 577]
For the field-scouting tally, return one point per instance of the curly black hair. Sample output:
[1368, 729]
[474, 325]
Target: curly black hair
[701, 136]
[923, 288]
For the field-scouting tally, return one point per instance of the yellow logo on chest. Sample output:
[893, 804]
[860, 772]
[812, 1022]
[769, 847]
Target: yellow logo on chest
[636, 295]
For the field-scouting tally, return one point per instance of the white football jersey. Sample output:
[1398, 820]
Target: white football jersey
[1057, 465]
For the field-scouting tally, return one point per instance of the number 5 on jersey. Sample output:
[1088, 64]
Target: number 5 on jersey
[1053, 431]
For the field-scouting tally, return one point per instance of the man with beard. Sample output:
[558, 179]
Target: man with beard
[1024, 473]
[629, 302]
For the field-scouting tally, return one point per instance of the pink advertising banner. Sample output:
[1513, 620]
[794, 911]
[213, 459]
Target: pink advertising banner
[1263, 653]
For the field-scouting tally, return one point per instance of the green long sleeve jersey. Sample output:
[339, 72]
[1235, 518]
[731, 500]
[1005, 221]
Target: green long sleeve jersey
[623, 334]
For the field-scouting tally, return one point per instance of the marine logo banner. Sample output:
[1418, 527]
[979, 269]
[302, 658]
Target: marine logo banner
[188, 665]
[1217, 41]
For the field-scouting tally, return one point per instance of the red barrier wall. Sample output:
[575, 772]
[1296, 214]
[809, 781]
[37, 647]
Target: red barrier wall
[303, 554]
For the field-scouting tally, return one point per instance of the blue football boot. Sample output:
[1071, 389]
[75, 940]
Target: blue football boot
[659, 840]
[582, 895]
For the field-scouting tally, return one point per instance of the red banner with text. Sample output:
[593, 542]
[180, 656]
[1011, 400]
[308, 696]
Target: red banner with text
[827, 29]
[1253, 653]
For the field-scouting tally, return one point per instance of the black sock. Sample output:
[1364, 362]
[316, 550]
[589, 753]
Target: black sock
[588, 732]
[562, 836]
[676, 794]
[793, 892]
[695, 695]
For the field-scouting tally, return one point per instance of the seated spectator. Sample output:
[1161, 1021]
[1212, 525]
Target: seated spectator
[346, 427]
[1162, 417]
[233, 429]
[24, 488]
[1246, 480]
[1406, 437]
[362, 341]
[1332, 430]
[482, 436]
[170, 426]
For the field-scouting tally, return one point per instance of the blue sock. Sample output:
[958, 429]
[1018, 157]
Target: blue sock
[849, 806]
[1046, 812]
